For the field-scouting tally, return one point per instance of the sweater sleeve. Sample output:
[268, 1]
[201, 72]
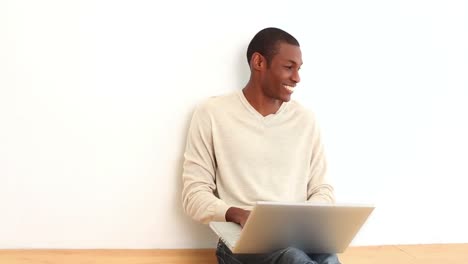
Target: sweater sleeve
[199, 172]
[318, 187]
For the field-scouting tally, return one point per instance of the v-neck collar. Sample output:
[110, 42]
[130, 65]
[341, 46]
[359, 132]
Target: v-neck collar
[255, 113]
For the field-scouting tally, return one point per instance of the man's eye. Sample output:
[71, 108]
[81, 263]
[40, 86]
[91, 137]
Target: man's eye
[288, 67]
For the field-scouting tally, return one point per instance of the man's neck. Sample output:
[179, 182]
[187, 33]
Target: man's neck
[264, 105]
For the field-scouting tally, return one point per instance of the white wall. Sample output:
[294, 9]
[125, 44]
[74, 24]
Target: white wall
[96, 96]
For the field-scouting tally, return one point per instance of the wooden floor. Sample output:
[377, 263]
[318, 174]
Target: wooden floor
[413, 254]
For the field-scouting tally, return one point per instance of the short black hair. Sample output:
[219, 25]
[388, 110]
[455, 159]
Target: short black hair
[266, 42]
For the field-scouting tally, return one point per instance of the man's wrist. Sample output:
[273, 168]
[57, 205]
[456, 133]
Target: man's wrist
[234, 214]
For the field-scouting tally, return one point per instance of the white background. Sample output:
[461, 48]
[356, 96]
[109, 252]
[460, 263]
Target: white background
[96, 96]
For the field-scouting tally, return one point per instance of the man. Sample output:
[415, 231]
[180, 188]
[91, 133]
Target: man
[256, 145]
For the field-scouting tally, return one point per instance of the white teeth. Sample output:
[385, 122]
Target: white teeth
[290, 88]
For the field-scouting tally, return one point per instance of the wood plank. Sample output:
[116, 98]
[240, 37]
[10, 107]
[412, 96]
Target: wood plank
[375, 254]
[189, 256]
[432, 254]
[401, 254]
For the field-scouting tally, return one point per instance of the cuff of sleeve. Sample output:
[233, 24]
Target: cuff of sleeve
[220, 214]
[322, 199]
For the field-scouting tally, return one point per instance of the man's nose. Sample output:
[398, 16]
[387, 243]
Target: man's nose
[295, 77]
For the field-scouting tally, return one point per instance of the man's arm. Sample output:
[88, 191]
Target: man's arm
[199, 174]
[237, 215]
[318, 188]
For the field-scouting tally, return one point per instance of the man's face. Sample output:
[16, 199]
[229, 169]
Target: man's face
[282, 74]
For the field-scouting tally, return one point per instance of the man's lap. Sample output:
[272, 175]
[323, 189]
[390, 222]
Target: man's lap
[288, 255]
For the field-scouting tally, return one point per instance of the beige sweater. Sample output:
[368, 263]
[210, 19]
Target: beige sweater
[235, 157]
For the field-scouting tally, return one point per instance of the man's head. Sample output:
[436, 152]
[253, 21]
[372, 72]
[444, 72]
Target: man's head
[275, 58]
[266, 42]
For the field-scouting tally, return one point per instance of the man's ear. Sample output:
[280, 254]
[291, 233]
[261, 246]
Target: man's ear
[258, 61]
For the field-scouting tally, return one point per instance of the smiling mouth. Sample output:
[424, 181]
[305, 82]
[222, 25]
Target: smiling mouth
[289, 88]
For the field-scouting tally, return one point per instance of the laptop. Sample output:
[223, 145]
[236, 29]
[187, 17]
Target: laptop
[314, 228]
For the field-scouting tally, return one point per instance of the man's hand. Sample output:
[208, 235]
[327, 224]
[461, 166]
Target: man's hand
[237, 215]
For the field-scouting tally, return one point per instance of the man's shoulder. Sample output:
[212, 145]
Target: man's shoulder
[301, 110]
[216, 102]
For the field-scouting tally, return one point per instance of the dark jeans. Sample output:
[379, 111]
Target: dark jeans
[288, 255]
